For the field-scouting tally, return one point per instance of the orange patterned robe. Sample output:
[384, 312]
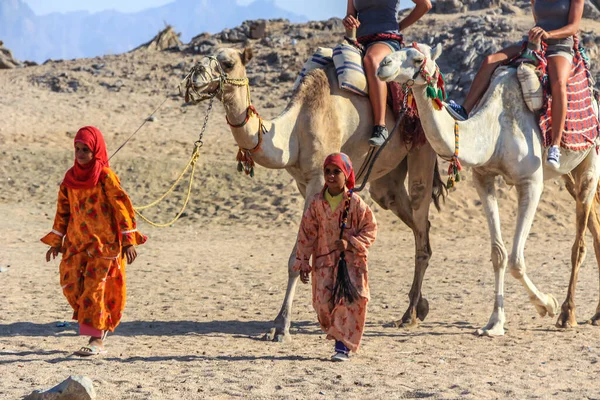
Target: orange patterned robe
[92, 226]
[319, 230]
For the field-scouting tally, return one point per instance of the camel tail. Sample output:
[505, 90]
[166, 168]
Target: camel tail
[439, 188]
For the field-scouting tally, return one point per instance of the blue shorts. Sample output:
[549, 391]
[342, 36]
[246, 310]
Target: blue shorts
[394, 45]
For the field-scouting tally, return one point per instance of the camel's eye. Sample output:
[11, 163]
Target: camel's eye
[228, 64]
[418, 60]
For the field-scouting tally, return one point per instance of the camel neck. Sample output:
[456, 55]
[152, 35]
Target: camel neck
[276, 149]
[438, 125]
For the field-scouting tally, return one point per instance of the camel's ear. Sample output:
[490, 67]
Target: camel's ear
[247, 55]
[436, 52]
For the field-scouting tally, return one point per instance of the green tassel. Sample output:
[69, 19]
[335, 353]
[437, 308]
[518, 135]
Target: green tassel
[440, 95]
[240, 167]
[431, 92]
[450, 183]
[252, 172]
[458, 178]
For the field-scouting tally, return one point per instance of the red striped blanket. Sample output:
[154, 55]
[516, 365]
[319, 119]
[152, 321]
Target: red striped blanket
[581, 126]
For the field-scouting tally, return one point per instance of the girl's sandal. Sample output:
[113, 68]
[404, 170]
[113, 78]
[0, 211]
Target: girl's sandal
[90, 350]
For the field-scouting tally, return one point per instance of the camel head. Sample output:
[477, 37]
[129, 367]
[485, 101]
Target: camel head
[213, 75]
[407, 65]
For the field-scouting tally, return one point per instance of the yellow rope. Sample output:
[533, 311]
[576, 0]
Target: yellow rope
[191, 163]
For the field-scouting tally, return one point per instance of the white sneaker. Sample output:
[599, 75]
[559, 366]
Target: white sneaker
[340, 357]
[553, 158]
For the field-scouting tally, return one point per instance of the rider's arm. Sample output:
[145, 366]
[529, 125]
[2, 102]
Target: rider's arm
[421, 8]
[350, 10]
[575, 14]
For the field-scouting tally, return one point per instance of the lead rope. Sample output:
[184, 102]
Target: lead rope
[191, 164]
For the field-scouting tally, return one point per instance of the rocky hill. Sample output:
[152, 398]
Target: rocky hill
[83, 34]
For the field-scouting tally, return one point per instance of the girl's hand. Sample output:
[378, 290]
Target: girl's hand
[305, 276]
[537, 34]
[52, 251]
[350, 22]
[342, 245]
[130, 253]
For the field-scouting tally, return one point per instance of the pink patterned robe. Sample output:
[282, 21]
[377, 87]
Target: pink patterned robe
[319, 230]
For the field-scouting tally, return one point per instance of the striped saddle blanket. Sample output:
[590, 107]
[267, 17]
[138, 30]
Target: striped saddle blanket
[581, 129]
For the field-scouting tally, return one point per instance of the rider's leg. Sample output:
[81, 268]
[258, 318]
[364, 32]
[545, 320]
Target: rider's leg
[377, 89]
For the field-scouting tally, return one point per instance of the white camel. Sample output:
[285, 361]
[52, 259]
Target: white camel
[502, 138]
[321, 119]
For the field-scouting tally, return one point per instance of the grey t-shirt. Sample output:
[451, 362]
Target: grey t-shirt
[551, 15]
[377, 16]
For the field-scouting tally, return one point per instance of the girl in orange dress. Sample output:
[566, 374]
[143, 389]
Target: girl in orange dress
[95, 230]
[319, 237]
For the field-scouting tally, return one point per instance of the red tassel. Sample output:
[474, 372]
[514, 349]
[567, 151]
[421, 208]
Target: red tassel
[439, 103]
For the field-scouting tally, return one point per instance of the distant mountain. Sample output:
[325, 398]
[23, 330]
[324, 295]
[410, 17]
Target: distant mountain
[82, 34]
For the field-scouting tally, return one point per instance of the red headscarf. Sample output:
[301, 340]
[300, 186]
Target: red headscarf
[342, 161]
[86, 176]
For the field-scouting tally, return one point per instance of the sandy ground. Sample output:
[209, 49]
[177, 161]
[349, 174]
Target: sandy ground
[202, 293]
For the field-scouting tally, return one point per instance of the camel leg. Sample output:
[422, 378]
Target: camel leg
[421, 162]
[280, 332]
[389, 192]
[486, 188]
[586, 182]
[594, 228]
[529, 193]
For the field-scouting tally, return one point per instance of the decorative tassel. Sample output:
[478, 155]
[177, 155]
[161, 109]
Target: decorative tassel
[437, 104]
[440, 95]
[455, 167]
[245, 162]
[431, 93]
[343, 289]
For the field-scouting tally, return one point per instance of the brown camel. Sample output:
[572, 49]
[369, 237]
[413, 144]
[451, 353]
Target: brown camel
[321, 119]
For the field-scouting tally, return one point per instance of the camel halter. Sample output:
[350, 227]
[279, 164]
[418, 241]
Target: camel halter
[244, 156]
[436, 96]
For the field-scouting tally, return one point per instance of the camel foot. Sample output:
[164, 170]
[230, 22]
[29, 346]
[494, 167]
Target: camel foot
[491, 330]
[595, 320]
[495, 326]
[566, 320]
[409, 324]
[422, 308]
[277, 335]
[551, 309]
[412, 316]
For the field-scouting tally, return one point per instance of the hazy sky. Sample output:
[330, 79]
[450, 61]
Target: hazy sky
[313, 9]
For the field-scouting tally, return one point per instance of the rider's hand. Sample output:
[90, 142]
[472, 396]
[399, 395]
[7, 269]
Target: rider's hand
[350, 22]
[52, 251]
[537, 34]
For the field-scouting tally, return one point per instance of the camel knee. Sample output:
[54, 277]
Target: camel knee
[499, 256]
[517, 268]
[587, 187]
[417, 195]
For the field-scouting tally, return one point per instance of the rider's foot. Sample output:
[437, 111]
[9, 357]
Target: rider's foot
[457, 111]
[380, 133]
[553, 157]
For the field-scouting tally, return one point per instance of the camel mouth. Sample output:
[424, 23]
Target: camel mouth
[387, 74]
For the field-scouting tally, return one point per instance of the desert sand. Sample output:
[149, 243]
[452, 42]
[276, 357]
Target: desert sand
[203, 292]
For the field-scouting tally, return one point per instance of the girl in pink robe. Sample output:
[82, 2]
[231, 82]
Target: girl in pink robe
[319, 237]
